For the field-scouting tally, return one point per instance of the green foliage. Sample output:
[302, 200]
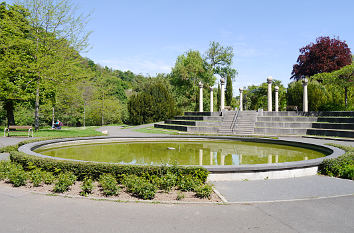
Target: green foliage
[108, 184]
[94, 170]
[188, 183]
[154, 103]
[5, 167]
[86, 186]
[255, 97]
[168, 181]
[339, 167]
[204, 191]
[36, 177]
[228, 93]
[139, 187]
[48, 177]
[17, 176]
[64, 181]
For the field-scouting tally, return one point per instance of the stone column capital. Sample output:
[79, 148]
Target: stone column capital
[276, 88]
[269, 80]
[241, 90]
[211, 89]
[222, 80]
[200, 85]
[305, 81]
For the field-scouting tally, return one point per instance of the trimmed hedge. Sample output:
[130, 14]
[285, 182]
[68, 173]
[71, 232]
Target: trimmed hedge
[94, 170]
[342, 167]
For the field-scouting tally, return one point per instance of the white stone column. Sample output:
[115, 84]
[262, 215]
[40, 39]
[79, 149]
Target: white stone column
[269, 81]
[200, 97]
[200, 157]
[305, 103]
[241, 99]
[276, 88]
[222, 101]
[211, 100]
[211, 157]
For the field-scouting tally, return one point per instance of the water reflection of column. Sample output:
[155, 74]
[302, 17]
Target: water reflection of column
[200, 157]
[306, 158]
[270, 157]
[276, 158]
[211, 157]
[222, 162]
[240, 159]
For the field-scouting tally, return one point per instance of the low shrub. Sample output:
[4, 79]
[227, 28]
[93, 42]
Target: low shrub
[108, 184]
[180, 196]
[168, 181]
[64, 181]
[36, 177]
[94, 170]
[4, 169]
[48, 177]
[339, 167]
[17, 176]
[204, 191]
[188, 183]
[139, 187]
[87, 186]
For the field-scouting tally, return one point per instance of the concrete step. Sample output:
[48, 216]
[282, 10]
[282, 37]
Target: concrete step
[287, 119]
[193, 123]
[347, 126]
[336, 119]
[202, 113]
[331, 132]
[279, 131]
[287, 113]
[284, 124]
[199, 118]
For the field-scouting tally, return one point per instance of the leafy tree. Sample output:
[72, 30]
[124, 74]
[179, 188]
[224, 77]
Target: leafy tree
[326, 55]
[58, 34]
[228, 93]
[154, 103]
[15, 47]
[343, 78]
[219, 60]
[255, 97]
[189, 70]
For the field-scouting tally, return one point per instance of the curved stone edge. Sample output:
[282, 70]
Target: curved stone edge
[332, 152]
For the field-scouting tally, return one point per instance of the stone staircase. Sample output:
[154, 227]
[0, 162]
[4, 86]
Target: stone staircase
[227, 124]
[283, 123]
[338, 124]
[194, 122]
[245, 122]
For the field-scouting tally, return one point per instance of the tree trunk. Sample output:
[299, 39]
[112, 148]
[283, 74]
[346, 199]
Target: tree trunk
[9, 107]
[36, 111]
[53, 115]
[346, 96]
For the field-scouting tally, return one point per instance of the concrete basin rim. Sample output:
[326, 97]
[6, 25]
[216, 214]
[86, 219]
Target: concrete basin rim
[332, 152]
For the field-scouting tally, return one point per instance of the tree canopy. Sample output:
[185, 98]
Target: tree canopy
[326, 55]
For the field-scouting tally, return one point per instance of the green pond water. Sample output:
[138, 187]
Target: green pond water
[183, 153]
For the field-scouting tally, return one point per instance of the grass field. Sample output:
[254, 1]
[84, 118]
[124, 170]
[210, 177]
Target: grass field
[150, 129]
[64, 132]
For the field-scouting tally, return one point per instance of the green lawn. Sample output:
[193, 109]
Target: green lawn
[150, 129]
[64, 132]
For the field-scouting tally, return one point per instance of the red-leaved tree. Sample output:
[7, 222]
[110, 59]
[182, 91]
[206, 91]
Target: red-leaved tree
[326, 55]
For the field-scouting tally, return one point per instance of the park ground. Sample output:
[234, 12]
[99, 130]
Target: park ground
[306, 204]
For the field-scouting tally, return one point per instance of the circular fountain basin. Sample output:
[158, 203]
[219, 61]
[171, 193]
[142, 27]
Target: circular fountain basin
[227, 158]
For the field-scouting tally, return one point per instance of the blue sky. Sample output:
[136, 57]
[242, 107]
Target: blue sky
[147, 36]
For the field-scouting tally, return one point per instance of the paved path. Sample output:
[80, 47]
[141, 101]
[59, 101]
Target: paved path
[267, 206]
[26, 212]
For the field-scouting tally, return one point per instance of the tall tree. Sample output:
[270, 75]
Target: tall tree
[15, 48]
[59, 33]
[189, 70]
[228, 93]
[219, 60]
[326, 55]
[218, 97]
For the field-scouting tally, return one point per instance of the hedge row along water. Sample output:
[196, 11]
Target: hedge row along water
[94, 170]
